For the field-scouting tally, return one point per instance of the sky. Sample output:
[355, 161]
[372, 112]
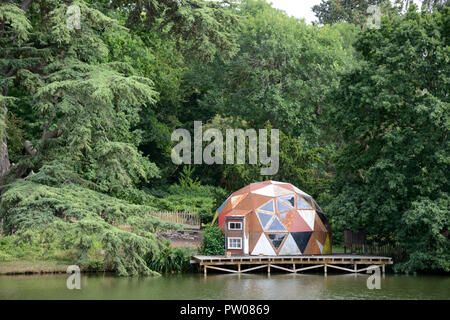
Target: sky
[297, 8]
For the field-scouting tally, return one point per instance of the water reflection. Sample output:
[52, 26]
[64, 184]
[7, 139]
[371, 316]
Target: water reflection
[226, 286]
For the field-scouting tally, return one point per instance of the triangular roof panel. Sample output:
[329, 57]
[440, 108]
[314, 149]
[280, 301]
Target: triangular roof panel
[263, 247]
[289, 247]
[276, 225]
[309, 217]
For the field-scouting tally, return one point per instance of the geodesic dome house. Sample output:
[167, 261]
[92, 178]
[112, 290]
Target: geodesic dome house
[273, 218]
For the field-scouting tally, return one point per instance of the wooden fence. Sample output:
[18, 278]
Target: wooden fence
[357, 243]
[190, 219]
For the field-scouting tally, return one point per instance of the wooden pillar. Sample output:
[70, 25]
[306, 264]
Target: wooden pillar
[204, 270]
[293, 268]
[383, 269]
[325, 269]
[355, 266]
[239, 267]
[268, 268]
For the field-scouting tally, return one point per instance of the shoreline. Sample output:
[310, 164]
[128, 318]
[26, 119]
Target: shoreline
[19, 267]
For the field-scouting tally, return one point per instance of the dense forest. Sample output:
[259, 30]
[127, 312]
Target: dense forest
[87, 113]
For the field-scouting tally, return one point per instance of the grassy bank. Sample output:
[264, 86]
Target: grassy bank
[28, 267]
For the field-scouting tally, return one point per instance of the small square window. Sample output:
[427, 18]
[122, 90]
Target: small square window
[234, 225]
[234, 243]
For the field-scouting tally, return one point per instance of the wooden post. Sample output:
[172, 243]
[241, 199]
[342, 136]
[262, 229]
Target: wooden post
[293, 268]
[204, 270]
[239, 267]
[383, 268]
[355, 268]
[268, 268]
[325, 269]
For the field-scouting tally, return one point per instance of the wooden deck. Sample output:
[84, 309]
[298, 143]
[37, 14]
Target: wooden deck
[241, 264]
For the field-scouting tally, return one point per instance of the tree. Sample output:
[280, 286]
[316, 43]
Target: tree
[201, 28]
[14, 31]
[356, 11]
[88, 106]
[281, 73]
[352, 11]
[392, 111]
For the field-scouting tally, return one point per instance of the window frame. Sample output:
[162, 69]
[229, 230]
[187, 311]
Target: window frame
[234, 238]
[234, 229]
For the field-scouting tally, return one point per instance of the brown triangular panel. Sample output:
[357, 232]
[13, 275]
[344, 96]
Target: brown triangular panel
[318, 225]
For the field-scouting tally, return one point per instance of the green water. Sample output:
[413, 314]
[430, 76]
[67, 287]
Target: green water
[226, 286]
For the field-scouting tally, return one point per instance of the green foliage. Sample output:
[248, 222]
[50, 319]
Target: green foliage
[392, 172]
[352, 11]
[425, 235]
[282, 72]
[15, 136]
[203, 28]
[171, 260]
[186, 180]
[88, 114]
[99, 232]
[213, 242]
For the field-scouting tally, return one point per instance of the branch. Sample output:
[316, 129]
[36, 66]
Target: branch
[54, 134]
[26, 4]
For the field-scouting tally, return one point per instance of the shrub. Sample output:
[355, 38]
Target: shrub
[171, 260]
[213, 241]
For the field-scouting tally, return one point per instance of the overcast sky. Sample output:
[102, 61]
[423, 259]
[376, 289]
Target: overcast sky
[297, 8]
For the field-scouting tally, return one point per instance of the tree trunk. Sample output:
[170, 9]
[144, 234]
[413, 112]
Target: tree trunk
[4, 158]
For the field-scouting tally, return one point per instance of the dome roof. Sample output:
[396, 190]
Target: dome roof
[281, 219]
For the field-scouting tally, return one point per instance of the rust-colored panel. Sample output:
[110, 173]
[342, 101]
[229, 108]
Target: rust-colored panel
[253, 240]
[243, 190]
[227, 207]
[298, 224]
[236, 212]
[321, 237]
[236, 199]
[253, 222]
[312, 247]
[246, 203]
[256, 186]
[288, 218]
[318, 225]
[260, 200]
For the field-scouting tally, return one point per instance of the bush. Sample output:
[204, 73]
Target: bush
[89, 228]
[213, 242]
[171, 260]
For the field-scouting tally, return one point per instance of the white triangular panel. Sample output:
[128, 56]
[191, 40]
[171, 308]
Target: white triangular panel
[265, 191]
[300, 191]
[289, 247]
[320, 246]
[308, 216]
[272, 191]
[263, 247]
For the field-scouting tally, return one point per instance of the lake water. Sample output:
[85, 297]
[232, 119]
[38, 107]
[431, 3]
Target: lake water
[226, 286]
